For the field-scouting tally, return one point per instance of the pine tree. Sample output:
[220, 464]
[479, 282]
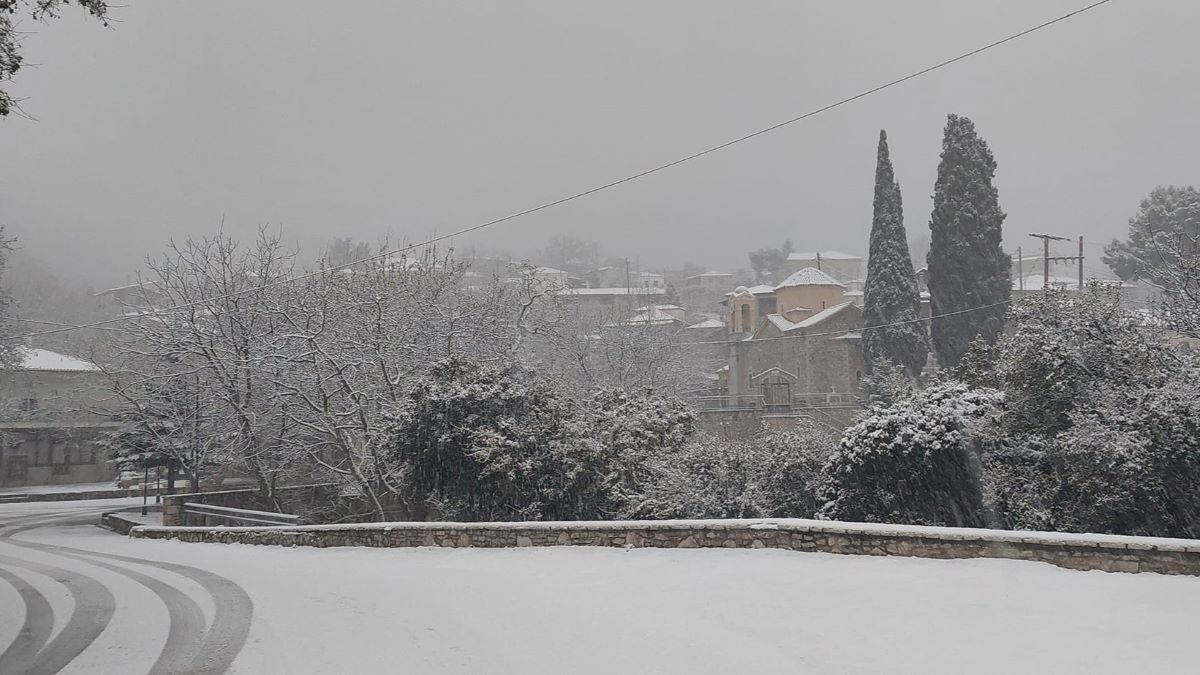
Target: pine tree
[969, 274]
[892, 299]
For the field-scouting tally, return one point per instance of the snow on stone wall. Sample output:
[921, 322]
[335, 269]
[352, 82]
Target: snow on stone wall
[1073, 551]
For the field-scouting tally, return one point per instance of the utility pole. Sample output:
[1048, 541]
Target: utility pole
[1046, 257]
[1081, 263]
[1020, 269]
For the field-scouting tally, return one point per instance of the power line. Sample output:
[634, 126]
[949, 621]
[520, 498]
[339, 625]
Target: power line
[590, 191]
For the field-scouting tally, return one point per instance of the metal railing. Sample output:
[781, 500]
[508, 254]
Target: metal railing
[796, 403]
[236, 516]
[732, 402]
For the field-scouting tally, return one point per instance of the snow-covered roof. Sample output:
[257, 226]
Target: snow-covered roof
[655, 315]
[655, 275]
[547, 270]
[761, 289]
[810, 276]
[825, 255]
[780, 322]
[711, 274]
[44, 359]
[821, 316]
[709, 323]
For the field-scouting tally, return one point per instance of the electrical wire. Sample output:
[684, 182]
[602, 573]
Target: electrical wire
[581, 194]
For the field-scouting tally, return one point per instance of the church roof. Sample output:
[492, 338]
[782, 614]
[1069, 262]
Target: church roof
[810, 276]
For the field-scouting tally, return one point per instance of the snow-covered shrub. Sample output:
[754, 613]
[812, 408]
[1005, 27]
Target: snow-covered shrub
[916, 461]
[500, 443]
[1067, 345]
[618, 435]
[775, 474]
[483, 443]
[789, 465]
[1130, 463]
[707, 478]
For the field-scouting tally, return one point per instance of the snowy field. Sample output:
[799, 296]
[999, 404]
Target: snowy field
[592, 610]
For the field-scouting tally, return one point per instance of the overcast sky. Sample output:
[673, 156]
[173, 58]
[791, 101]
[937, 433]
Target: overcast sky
[419, 118]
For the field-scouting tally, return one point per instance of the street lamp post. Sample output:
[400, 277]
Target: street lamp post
[145, 480]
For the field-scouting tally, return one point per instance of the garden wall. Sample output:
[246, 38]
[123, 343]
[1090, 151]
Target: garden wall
[1080, 552]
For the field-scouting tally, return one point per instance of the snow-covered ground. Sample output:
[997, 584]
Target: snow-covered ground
[592, 610]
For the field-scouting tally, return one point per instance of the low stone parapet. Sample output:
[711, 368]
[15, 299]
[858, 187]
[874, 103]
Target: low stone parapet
[1074, 551]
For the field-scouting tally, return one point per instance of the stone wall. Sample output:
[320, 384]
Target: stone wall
[1081, 552]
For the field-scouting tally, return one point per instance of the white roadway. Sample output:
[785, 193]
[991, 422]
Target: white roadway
[78, 599]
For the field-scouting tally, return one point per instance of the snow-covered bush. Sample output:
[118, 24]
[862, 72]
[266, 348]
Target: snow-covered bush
[1067, 345]
[618, 436]
[483, 443]
[916, 461]
[775, 474]
[1129, 464]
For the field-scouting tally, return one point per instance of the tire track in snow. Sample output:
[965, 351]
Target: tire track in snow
[219, 644]
[39, 623]
[94, 608]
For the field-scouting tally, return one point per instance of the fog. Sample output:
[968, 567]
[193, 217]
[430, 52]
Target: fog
[418, 119]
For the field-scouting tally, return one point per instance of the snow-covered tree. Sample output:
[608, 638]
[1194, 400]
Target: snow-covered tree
[1163, 248]
[1167, 218]
[977, 364]
[885, 384]
[969, 273]
[918, 461]
[1063, 347]
[891, 299]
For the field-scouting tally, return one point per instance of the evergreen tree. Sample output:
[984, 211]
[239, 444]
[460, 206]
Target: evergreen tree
[975, 367]
[917, 461]
[968, 271]
[892, 299]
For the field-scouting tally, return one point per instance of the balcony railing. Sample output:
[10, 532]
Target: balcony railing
[797, 403]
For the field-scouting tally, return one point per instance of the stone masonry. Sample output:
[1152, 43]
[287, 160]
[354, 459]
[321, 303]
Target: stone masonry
[1080, 552]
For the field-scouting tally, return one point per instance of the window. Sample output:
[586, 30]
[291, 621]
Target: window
[29, 404]
[17, 467]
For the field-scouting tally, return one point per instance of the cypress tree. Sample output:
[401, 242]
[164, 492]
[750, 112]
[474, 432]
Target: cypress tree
[891, 297]
[968, 271]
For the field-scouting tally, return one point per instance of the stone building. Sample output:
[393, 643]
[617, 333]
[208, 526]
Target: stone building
[793, 351]
[50, 421]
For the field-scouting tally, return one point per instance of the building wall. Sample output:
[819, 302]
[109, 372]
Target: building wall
[814, 297]
[820, 364]
[56, 439]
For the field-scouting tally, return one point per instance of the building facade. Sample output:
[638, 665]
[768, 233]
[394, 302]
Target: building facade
[51, 420]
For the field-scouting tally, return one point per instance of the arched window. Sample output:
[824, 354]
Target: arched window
[745, 318]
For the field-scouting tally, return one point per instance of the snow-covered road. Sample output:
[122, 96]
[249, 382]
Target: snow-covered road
[78, 599]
